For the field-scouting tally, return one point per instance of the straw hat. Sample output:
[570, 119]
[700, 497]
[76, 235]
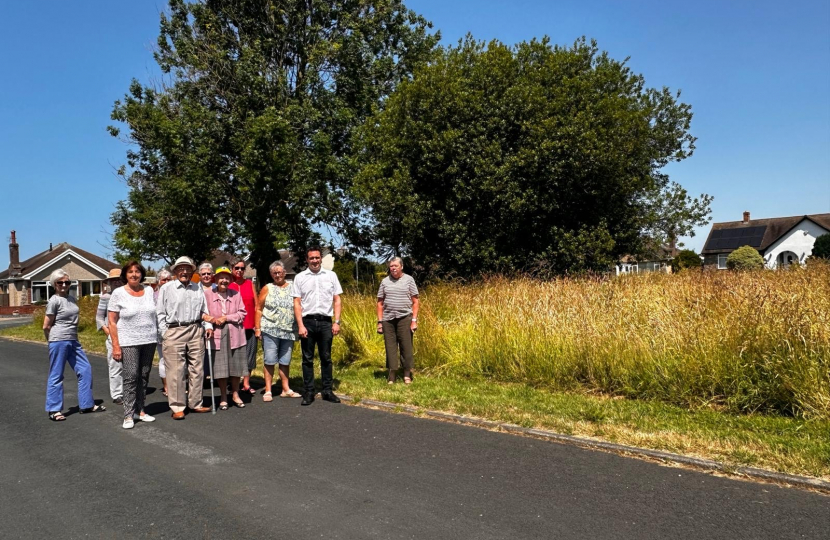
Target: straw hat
[115, 273]
[184, 261]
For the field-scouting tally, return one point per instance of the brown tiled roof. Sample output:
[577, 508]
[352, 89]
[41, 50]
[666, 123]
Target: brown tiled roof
[44, 257]
[768, 230]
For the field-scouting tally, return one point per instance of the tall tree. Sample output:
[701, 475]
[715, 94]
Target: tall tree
[246, 144]
[497, 158]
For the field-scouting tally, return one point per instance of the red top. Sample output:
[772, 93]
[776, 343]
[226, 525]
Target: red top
[248, 300]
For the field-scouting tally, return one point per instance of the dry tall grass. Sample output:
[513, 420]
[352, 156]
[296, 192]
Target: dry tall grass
[746, 342]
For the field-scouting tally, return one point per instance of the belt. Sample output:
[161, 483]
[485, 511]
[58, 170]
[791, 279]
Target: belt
[317, 317]
[178, 324]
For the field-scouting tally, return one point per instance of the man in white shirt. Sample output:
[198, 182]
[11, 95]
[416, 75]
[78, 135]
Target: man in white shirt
[316, 299]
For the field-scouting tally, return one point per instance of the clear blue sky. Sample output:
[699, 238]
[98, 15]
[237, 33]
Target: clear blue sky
[757, 74]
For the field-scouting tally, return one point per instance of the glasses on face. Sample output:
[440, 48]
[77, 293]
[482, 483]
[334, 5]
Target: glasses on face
[239, 268]
[63, 283]
[206, 274]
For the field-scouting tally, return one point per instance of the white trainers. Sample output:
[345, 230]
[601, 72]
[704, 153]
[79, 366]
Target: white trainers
[128, 423]
[144, 418]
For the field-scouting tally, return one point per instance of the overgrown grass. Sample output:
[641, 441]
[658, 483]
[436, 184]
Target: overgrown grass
[743, 342]
[722, 365]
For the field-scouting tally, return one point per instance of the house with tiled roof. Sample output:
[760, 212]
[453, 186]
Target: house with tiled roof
[27, 282]
[780, 241]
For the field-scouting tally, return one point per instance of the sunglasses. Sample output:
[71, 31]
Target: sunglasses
[239, 268]
[63, 283]
[206, 274]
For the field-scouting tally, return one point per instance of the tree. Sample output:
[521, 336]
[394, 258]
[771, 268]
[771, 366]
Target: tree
[496, 158]
[246, 144]
[745, 258]
[821, 249]
[687, 259]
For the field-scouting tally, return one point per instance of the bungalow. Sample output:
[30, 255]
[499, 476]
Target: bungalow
[780, 241]
[27, 282]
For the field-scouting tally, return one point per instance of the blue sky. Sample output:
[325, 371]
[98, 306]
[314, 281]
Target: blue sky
[757, 74]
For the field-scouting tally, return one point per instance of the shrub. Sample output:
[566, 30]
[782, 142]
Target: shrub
[686, 259]
[821, 249]
[745, 258]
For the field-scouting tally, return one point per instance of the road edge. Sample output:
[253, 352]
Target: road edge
[752, 473]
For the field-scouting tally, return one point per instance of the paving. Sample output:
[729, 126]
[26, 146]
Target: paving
[338, 471]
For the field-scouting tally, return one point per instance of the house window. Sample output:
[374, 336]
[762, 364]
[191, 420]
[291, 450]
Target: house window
[90, 288]
[722, 261]
[41, 291]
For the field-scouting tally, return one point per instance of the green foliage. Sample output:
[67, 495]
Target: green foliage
[246, 146]
[358, 275]
[821, 249]
[745, 258]
[686, 259]
[495, 158]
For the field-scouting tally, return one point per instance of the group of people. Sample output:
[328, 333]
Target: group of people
[214, 326]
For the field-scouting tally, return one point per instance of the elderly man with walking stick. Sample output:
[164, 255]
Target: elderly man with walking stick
[183, 322]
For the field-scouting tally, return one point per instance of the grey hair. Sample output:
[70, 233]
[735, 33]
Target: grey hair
[395, 259]
[274, 265]
[56, 275]
[164, 273]
[205, 265]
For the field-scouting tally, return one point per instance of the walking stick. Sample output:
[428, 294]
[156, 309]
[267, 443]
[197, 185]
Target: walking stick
[210, 369]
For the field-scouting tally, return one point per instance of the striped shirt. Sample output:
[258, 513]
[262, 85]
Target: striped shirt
[397, 296]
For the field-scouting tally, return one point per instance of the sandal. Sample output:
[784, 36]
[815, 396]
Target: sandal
[223, 406]
[96, 408]
[56, 416]
[407, 380]
[239, 404]
[267, 396]
[249, 389]
[290, 394]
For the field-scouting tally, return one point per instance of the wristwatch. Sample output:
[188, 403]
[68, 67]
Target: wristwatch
[337, 321]
[414, 320]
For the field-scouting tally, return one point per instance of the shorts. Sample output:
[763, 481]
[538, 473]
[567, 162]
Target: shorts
[277, 350]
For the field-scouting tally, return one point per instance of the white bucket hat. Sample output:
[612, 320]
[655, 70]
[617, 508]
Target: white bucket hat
[184, 261]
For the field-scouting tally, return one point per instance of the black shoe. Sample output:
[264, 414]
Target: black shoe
[118, 401]
[308, 398]
[329, 396]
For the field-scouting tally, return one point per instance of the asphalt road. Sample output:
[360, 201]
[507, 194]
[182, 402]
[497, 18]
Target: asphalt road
[338, 471]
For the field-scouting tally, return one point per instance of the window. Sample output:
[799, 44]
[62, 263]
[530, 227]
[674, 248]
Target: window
[41, 290]
[90, 288]
[722, 261]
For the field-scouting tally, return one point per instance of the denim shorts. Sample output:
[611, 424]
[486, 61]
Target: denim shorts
[277, 350]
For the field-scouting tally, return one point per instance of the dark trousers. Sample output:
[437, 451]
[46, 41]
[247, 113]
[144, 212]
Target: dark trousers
[319, 333]
[397, 334]
[136, 362]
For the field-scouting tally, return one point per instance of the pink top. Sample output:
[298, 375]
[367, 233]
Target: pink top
[231, 308]
[249, 299]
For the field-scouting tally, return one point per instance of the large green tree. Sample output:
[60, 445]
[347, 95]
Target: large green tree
[245, 142]
[497, 158]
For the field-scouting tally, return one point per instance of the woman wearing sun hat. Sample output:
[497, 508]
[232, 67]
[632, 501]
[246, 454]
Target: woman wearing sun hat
[228, 344]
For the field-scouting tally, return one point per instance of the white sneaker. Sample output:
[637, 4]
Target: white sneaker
[144, 418]
[128, 423]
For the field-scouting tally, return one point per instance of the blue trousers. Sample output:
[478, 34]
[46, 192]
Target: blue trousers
[60, 353]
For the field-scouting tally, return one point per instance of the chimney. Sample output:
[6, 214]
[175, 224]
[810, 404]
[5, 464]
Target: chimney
[50, 246]
[746, 217]
[14, 256]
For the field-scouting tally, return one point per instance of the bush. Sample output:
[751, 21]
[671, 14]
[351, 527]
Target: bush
[821, 249]
[686, 259]
[745, 258]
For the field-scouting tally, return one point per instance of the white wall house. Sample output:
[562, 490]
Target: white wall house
[795, 246]
[780, 241]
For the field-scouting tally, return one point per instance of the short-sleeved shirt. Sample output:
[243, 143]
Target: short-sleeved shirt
[248, 300]
[136, 317]
[278, 313]
[397, 296]
[65, 311]
[317, 291]
[180, 303]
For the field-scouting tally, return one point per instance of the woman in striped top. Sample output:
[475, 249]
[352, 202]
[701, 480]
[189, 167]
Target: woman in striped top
[397, 312]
